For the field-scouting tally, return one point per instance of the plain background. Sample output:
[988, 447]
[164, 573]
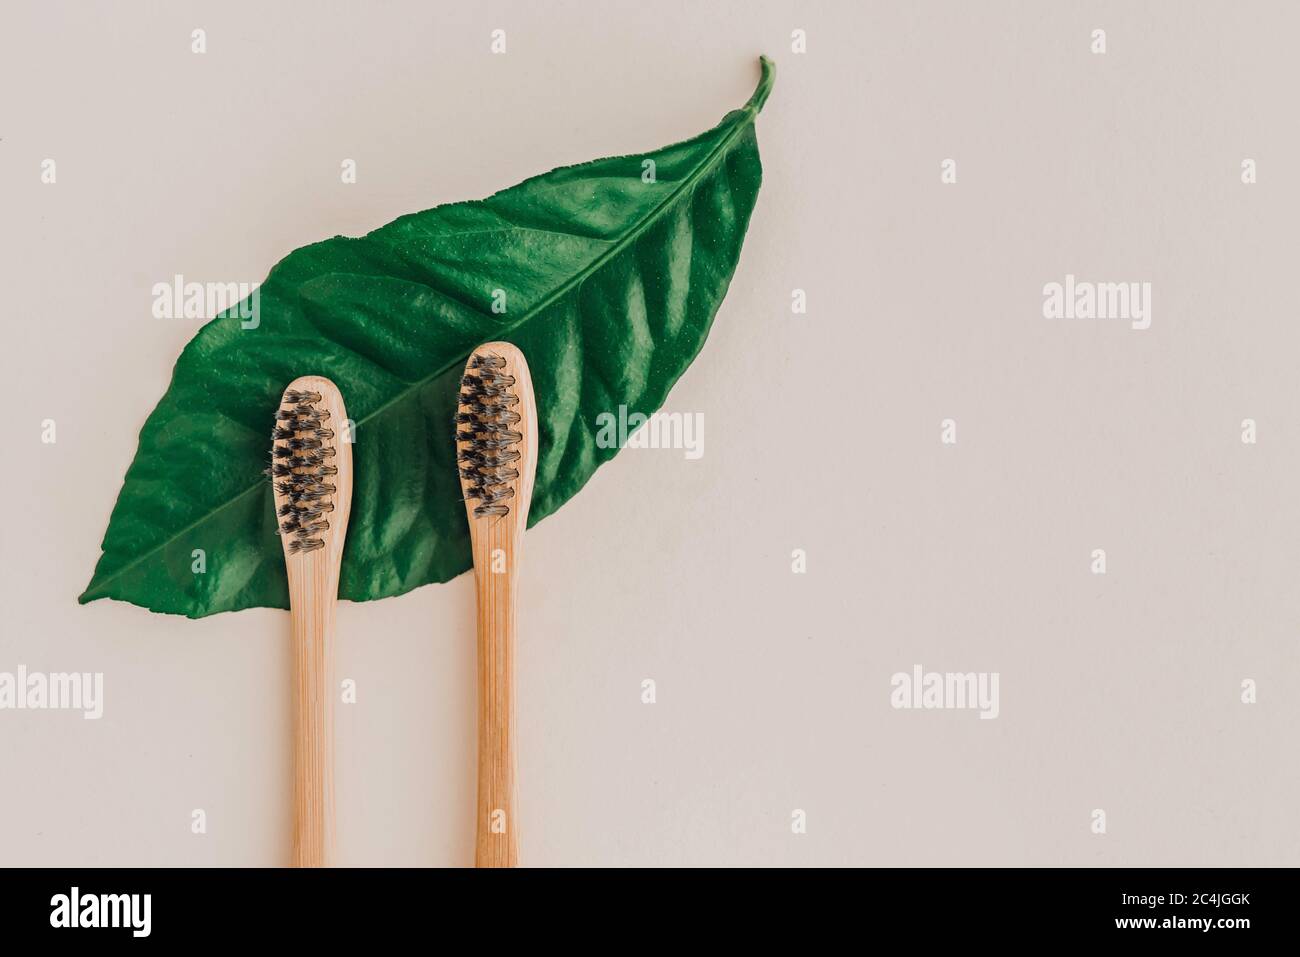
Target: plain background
[1119, 692]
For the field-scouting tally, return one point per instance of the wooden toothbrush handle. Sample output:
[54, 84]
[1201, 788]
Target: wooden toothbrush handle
[497, 842]
[313, 739]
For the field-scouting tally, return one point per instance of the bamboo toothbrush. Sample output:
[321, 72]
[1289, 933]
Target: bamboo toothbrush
[312, 476]
[496, 448]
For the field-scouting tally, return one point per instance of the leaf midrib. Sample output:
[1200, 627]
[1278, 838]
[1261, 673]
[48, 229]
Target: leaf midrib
[750, 110]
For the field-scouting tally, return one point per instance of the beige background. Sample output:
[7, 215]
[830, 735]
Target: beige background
[1118, 692]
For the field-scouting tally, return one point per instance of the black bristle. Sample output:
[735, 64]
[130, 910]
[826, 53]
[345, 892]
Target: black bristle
[485, 437]
[299, 461]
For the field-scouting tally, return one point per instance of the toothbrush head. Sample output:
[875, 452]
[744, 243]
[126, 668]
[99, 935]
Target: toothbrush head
[304, 468]
[487, 435]
[496, 425]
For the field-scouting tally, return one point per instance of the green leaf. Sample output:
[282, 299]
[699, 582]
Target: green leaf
[610, 279]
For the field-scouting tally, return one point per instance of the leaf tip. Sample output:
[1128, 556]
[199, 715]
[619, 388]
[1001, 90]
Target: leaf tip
[93, 591]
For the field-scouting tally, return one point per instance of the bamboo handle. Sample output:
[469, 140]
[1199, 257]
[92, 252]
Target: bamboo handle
[497, 843]
[313, 753]
[497, 542]
[313, 599]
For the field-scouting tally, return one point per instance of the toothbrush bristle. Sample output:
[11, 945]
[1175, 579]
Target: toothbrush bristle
[486, 435]
[300, 463]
